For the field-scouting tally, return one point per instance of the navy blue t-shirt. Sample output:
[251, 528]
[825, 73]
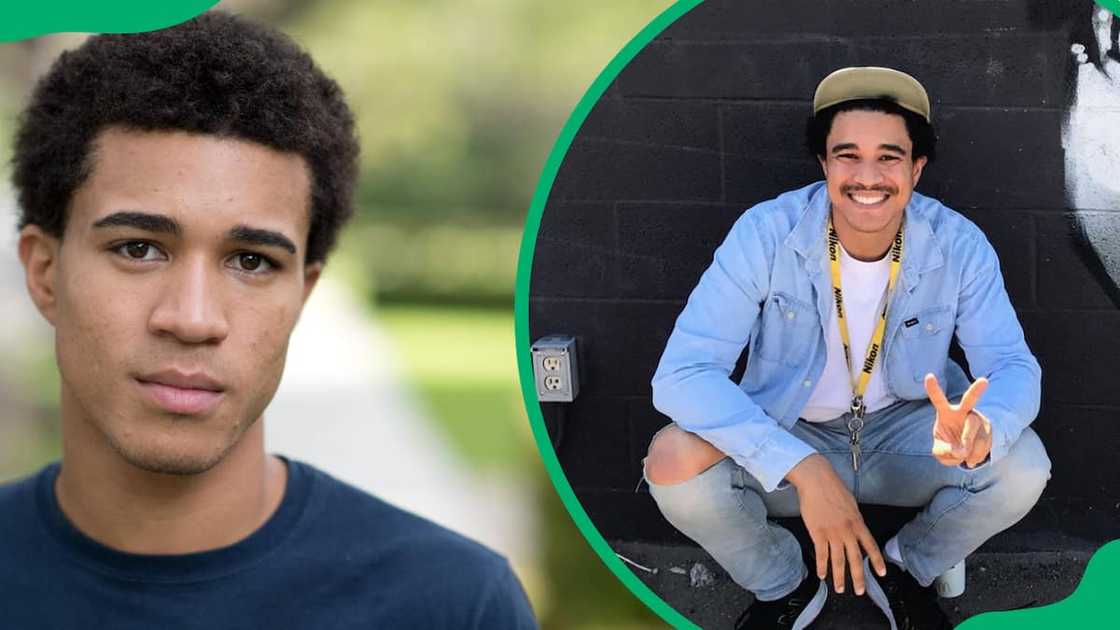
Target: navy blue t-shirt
[330, 557]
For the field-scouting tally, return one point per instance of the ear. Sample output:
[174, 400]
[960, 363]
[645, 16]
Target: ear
[311, 275]
[39, 251]
[919, 164]
[824, 165]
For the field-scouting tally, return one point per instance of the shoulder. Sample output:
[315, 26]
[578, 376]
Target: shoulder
[782, 213]
[19, 515]
[348, 512]
[432, 576]
[955, 234]
[769, 222]
[372, 530]
[17, 497]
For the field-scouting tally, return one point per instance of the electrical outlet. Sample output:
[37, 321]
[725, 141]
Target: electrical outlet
[554, 368]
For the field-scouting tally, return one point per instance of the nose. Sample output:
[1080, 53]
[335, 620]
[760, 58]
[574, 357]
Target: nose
[867, 173]
[190, 307]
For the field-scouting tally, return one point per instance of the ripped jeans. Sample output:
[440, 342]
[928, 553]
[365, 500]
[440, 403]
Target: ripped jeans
[724, 509]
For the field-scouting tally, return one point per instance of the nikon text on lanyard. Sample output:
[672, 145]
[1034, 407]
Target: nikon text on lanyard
[859, 383]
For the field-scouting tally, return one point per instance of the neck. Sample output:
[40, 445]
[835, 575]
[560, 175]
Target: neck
[866, 246]
[137, 511]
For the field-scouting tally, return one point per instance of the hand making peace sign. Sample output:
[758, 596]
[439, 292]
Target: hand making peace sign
[959, 433]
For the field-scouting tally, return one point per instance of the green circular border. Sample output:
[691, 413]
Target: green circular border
[22, 19]
[1089, 603]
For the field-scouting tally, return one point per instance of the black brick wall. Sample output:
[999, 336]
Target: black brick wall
[709, 119]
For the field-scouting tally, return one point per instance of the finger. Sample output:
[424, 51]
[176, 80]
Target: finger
[980, 448]
[874, 556]
[943, 453]
[968, 436]
[820, 548]
[936, 396]
[836, 550]
[855, 563]
[973, 393]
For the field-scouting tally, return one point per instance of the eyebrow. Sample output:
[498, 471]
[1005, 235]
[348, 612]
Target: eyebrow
[257, 236]
[162, 224]
[140, 220]
[845, 146]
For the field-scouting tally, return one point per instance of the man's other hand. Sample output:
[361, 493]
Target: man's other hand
[960, 435]
[834, 522]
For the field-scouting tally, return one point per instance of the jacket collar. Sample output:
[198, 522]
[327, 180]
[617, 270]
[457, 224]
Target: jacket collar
[921, 253]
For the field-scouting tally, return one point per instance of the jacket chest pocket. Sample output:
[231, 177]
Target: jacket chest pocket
[789, 330]
[924, 342]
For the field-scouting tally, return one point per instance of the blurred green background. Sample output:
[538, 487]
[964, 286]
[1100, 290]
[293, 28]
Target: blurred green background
[458, 103]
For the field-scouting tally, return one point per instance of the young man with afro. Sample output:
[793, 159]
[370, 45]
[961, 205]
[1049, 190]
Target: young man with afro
[180, 191]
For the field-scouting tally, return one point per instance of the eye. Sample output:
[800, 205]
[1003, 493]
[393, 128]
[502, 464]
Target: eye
[139, 251]
[250, 262]
[888, 158]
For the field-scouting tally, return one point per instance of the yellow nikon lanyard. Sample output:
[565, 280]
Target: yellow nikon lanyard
[859, 383]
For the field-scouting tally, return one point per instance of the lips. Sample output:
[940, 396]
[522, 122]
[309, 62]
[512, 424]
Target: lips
[182, 393]
[868, 197]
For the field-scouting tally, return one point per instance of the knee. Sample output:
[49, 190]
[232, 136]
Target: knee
[1024, 472]
[675, 456]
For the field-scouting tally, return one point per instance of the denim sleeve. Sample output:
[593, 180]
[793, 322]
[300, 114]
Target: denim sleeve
[992, 339]
[692, 384]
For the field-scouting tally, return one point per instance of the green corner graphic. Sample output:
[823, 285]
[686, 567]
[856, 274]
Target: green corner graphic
[20, 20]
[1085, 608]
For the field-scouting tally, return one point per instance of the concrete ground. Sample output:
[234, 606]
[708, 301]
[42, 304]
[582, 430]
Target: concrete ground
[994, 581]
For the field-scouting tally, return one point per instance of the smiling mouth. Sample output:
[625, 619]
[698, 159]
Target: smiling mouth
[867, 198]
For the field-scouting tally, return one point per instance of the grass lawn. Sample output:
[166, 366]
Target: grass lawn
[461, 362]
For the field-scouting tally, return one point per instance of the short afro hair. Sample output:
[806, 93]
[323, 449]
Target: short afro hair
[217, 74]
[922, 134]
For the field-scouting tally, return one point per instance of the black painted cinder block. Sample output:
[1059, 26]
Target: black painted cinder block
[1076, 353]
[612, 170]
[628, 515]
[595, 447]
[645, 421]
[788, 68]
[1006, 158]
[663, 248]
[770, 130]
[1069, 274]
[749, 180]
[1012, 235]
[731, 20]
[619, 343]
[669, 123]
[991, 69]
[1082, 442]
[575, 251]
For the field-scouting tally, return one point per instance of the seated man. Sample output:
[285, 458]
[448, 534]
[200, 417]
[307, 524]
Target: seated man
[180, 191]
[848, 292]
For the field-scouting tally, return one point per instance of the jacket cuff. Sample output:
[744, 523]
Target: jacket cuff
[774, 458]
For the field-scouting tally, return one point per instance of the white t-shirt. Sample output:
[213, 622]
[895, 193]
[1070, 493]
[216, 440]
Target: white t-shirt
[864, 285]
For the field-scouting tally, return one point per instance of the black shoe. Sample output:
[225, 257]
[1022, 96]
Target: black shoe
[794, 611]
[914, 606]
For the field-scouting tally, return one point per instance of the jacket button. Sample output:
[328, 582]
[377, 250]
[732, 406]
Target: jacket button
[790, 315]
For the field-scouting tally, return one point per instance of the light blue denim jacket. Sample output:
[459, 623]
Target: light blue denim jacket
[769, 286]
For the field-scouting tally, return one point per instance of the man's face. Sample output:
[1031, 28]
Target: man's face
[174, 290]
[869, 169]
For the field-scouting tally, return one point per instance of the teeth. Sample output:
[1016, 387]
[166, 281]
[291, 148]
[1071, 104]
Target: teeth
[867, 199]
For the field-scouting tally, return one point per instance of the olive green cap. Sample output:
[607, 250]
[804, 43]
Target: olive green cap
[850, 84]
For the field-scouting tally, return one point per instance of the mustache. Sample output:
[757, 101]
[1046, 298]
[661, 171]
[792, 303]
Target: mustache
[890, 190]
